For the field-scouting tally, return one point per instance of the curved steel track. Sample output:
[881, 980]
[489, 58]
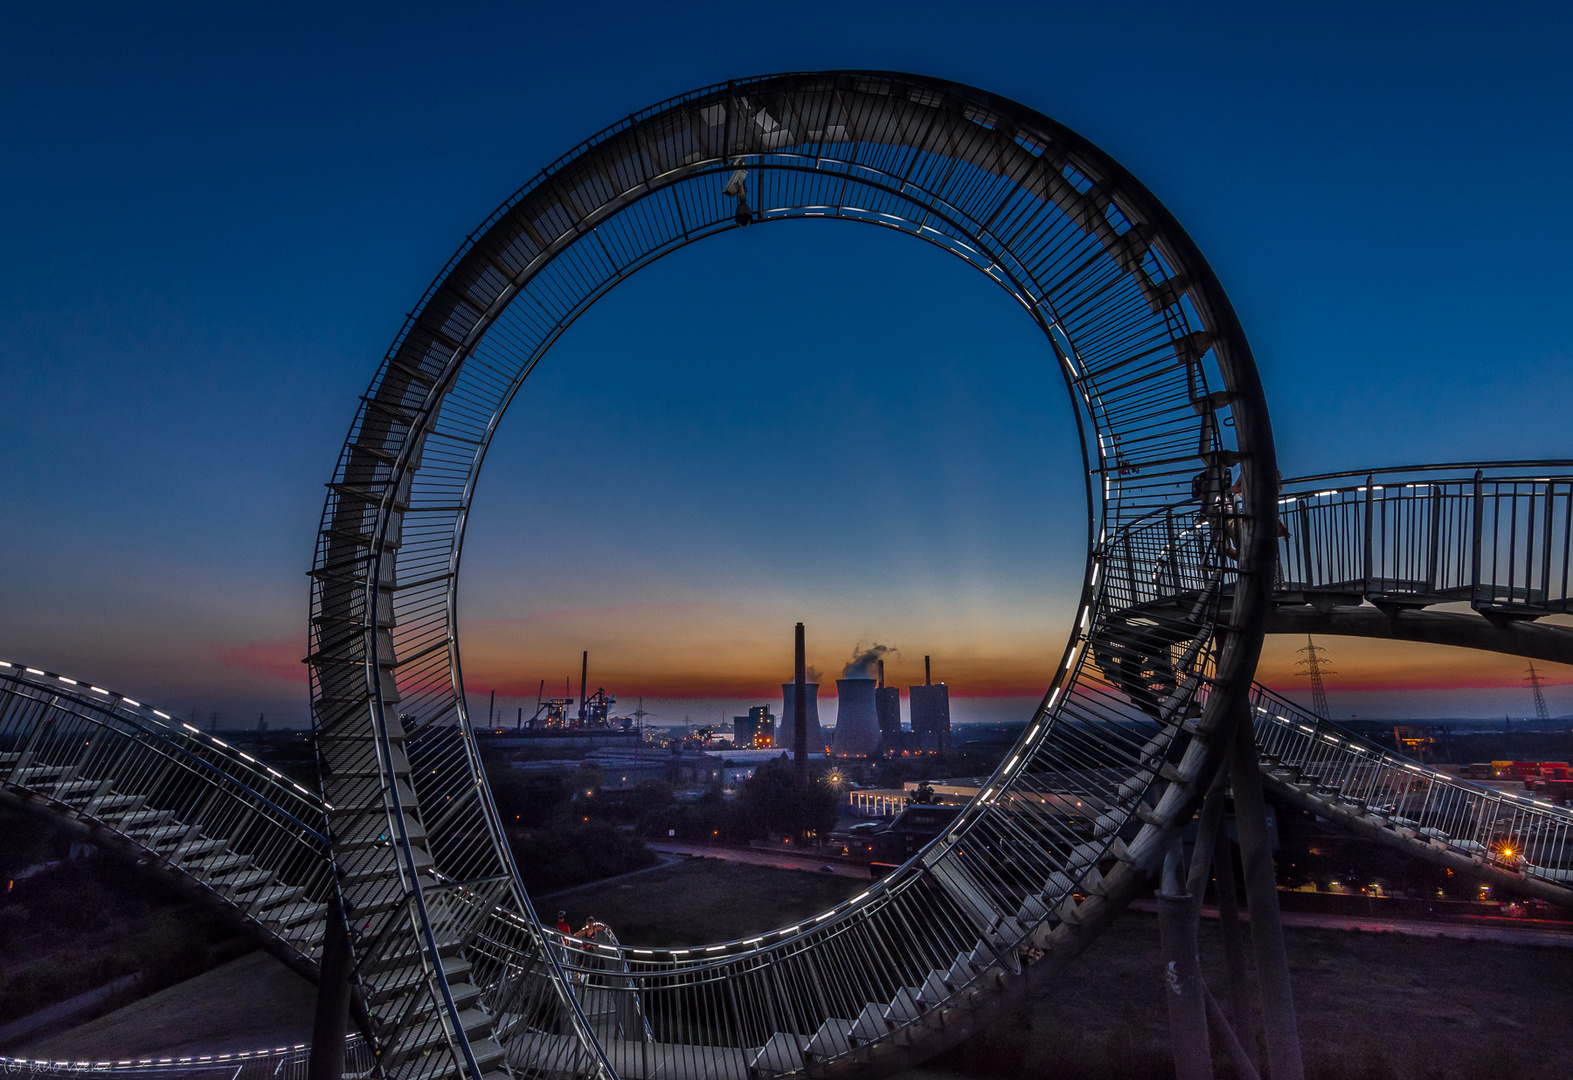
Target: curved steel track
[456, 972]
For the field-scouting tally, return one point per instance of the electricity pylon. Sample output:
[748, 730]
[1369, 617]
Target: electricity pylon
[1312, 663]
[1533, 679]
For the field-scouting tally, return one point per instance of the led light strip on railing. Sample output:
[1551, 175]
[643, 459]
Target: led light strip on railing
[115, 700]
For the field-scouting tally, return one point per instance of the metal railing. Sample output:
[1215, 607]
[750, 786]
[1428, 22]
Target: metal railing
[1505, 830]
[279, 1063]
[1499, 536]
[242, 834]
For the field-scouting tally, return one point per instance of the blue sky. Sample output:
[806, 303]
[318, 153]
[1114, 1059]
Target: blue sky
[213, 220]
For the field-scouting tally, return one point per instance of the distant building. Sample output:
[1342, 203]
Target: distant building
[912, 829]
[756, 731]
[930, 707]
[887, 705]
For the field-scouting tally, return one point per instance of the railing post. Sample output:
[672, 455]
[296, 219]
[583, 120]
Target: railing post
[1370, 579]
[1479, 528]
[1545, 545]
[1436, 537]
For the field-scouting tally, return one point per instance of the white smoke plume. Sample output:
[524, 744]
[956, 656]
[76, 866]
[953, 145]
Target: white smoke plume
[865, 659]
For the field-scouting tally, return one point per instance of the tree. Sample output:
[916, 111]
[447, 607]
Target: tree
[772, 802]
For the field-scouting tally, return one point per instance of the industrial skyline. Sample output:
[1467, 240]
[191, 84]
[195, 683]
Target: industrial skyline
[819, 435]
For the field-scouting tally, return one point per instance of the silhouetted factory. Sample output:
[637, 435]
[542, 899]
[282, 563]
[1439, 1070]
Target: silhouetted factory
[868, 716]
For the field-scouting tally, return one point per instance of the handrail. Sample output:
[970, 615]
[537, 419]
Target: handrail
[1456, 466]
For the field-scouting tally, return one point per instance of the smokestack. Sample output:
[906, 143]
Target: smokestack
[800, 707]
[584, 673]
[926, 680]
[882, 674]
[857, 720]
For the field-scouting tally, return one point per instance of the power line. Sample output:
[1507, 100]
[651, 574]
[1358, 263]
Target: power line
[1312, 663]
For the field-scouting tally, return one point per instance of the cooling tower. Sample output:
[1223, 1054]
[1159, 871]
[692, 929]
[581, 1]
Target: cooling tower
[857, 721]
[786, 731]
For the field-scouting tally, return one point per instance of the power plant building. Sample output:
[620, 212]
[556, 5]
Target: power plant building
[756, 731]
[887, 706]
[930, 708]
[786, 732]
[857, 719]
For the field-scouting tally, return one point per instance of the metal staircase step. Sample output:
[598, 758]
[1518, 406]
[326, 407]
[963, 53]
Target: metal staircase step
[487, 1052]
[157, 837]
[904, 1007]
[373, 863]
[244, 881]
[216, 865]
[305, 936]
[464, 994]
[869, 1025]
[782, 1053]
[198, 848]
[405, 970]
[291, 914]
[833, 1037]
[933, 991]
[271, 897]
[961, 972]
[31, 774]
[141, 820]
[108, 804]
[425, 1034]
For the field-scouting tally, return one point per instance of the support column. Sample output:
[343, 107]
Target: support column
[1213, 856]
[1233, 943]
[1182, 974]
[1284, 1059]
[333, 999]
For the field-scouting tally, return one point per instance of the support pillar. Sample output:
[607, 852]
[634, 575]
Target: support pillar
[1213, 856]
[1233, 941]
[1182, 974]
[333, 999]
[1284, 1060]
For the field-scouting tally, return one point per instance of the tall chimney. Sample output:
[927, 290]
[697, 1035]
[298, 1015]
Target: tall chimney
[882, 675]
[926, 680]
[491, 710]
[584, 673]
[799, 711]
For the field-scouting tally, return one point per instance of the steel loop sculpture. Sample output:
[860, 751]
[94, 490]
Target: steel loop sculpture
[453, 972]
[1134, 721]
